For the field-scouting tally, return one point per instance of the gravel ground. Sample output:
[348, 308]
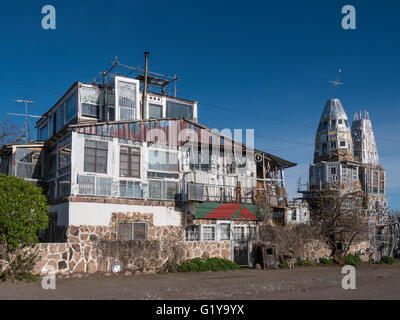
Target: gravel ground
[321, 282]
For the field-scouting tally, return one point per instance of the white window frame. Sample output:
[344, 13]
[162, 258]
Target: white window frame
[193, 225]
[141, 173]
[117, 107]
[219, 223]
[150, 149]
[203, 226]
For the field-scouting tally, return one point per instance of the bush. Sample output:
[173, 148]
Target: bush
[21, 267]
[211, 264]
[23, 214]
[386, 260]
[307, 263]
[325, 261]
[352, 259]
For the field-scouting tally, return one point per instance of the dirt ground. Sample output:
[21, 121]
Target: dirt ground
[321, 282]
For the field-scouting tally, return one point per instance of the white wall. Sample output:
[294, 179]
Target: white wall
[99, 214]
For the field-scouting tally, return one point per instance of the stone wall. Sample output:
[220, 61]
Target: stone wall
[91, 249]
[207, 249]
[317, 249]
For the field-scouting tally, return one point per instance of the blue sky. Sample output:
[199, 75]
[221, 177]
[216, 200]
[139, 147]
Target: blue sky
[265, 59]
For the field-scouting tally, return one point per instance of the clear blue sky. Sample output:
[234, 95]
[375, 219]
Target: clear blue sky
[272, 59]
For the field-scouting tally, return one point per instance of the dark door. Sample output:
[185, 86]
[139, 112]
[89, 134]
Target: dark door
[241, 252]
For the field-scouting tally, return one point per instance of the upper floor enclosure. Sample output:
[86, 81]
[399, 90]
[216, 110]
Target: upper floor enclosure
[120, 99]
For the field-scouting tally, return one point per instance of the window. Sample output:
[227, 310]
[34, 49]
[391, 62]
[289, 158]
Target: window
[294, 215]
[127, 100]
[64, 158]
[110, 106]
[132, 231]
[208, 233]
[342, 143]
[90, 102]
[239, 233]
[324, 125]
[340, 121]
[43, 133]
[103, 187]
[159, 189]
[375, 182]
[28, 163]
[60, 117]
[333, 170]
[200, 156]
[333, 124]
[324, 148]
[179, 110]
[130, 189]
[333, 145]
[71, 107]
[129, 162]
[64, 186]
[346, 123]
[155, 111]
[95, 156]
[51, 164]
[192, 233]
[224, 231]
[86, 185]
[163, 160]
[253, 233]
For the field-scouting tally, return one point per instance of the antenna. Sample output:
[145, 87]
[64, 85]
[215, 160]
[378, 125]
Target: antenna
[26, 136]
[337, 82]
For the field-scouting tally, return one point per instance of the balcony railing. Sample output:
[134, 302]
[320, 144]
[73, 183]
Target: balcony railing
[259, 191]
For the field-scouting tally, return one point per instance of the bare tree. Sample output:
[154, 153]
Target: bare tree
[338, 214]
[8, 132]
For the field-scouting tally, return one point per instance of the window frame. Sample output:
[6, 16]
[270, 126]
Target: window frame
[130, 154]
[203, 227]
[220, 224]
[167, 151]
[197, 238]
[150, 104]
[132, 235]
[95, 156]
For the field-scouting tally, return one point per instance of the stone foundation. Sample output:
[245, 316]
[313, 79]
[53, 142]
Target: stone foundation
[208, 249]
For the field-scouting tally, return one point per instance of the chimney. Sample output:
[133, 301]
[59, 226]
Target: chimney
[144, 100]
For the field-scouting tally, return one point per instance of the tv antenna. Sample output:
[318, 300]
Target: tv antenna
[26, 136]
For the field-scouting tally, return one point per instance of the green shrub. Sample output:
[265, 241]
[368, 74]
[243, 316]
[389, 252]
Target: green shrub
[307, 263]
[352, 259]
[211, 264]
[21, 267]
[284, 265]
[386, 260]
[325, 261]
[23, 214]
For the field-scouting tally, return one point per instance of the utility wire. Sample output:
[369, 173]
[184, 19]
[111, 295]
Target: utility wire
[258, 116]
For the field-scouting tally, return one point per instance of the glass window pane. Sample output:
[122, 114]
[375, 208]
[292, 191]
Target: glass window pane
[224, 231]
[139, 231]
[71, 107]
[179, 110]
[155, 111]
